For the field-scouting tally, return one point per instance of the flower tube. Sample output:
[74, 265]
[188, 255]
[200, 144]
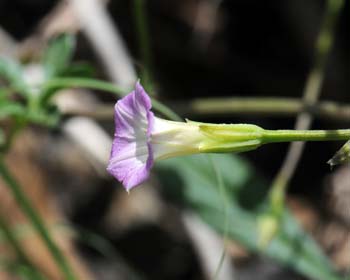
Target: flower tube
[140, 138]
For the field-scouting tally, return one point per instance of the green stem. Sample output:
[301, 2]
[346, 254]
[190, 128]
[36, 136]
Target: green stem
[165, 111]
[273, 136]
[19, 123]
[59, 83]
[225, 200]
[8, 233]
[52, 85]
[4, 228]
[37, 222]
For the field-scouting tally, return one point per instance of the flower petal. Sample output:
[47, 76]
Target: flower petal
[132, 156]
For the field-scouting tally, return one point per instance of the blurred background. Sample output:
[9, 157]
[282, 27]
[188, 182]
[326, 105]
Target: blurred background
[224, 61]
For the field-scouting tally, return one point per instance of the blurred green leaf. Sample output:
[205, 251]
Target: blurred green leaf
[11, 72]
[21, 270]
[9, 109]
[48, 116]
[191, 181]
[58, 55]
[79, 69]
[26, 272]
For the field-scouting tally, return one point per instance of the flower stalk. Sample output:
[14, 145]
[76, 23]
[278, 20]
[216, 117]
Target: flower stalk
[273, 136]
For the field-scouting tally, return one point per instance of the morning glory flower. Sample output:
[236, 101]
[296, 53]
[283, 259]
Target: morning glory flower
[141, 138]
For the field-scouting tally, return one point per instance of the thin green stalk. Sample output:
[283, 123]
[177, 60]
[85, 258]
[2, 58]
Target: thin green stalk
[37, 222]
[273, 136]
[50, 87]
[165, 111]
[100, 85]
[141, 23]
[7, 232]
[224, 196]
[14, 130]
[9, 235]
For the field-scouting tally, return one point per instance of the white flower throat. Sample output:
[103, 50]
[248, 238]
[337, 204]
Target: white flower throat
[169, 138]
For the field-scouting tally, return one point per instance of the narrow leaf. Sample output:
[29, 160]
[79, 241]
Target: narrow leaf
[58, 55]
[191, 181]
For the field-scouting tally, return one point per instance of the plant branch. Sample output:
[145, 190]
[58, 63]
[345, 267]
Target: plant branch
[261, 106]
[312, 92]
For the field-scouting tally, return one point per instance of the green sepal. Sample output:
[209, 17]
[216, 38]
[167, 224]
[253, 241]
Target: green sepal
[230, 137]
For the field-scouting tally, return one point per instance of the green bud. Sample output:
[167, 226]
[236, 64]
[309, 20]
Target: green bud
[342, 156]
[267, 228]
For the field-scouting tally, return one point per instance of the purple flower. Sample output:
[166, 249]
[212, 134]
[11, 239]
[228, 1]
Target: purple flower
[140, 138]
[131, 156]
